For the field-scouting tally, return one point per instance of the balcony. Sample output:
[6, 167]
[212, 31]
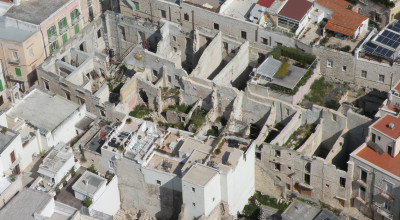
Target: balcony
[383, 212]
[13, 61]
[53, 38]
[76, 19]
[63, 30]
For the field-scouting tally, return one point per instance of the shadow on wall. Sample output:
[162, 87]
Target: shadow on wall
[370, 103]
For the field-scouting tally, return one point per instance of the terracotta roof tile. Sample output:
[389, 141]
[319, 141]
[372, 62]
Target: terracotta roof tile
[384, 161]
[382, 125]
[295, 9]
[343, 20]
[265, 3]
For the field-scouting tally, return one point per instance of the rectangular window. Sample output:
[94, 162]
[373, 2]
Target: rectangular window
[1, 85]
[186, 16]
[388, 206]
[363, 176]
[51, 31]
[122, 30]
[111, 164]
[193, 189]
[264, 41]
[18, 72]
[46, 84]
[176, 77]
[277, 153]
[81, 101]
[278, 166]
[163, 13]
[329, 63]
[308, 167]
[278, 44]
[98, 33]
[389, 150]
[344, 68]
[15, 55]
[244, 35]
[373, 137]
[381, 78]
[342, 182]
[389, 188]
[216, 26]
[76, 28]
[362, 193]
[62, 25]
[74, 16]
[307, 179]
[65, 38]
[155, 73]
[68, 95]
[31, 52]
[158, 182]
[363, 74]
[53, 46]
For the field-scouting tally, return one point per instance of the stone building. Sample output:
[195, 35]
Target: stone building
[376, 175]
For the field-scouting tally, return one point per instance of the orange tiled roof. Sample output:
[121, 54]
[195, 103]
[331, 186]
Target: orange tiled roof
[382, 125]
[397, 88]
[384, 161]
[343, 20]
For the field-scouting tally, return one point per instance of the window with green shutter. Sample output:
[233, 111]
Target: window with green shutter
[18, 71]
[76, 28]
[62, 24]
[51, 49]
[1, 85]
[74, 15]
[65, 38]
[52, 31]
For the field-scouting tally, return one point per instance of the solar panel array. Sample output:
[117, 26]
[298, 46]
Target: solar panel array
[396, 27]
[390, 38]
[375, 49]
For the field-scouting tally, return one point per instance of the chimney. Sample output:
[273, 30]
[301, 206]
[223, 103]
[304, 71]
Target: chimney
[391, 125]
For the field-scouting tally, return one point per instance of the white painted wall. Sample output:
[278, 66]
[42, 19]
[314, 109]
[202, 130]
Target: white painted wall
[48, 210]
[109, 202]
[212, 194]
[66, 130]
[168, 180]
[241, 182]
[383, 141]
[3, 119]
[194, 201]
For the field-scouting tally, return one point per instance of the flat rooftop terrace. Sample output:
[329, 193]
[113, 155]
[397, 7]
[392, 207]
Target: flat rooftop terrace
[43, 110]
[164, 164]
[35, 11]
[19, 208]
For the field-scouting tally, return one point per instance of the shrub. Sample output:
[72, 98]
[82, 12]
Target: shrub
[4, 130]
[324, 41]
[346, 48]
[83, 159]
[92, 169]
[87, 202]
[217, 151]
[129, 120]
[121, 148]
[140, 111]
